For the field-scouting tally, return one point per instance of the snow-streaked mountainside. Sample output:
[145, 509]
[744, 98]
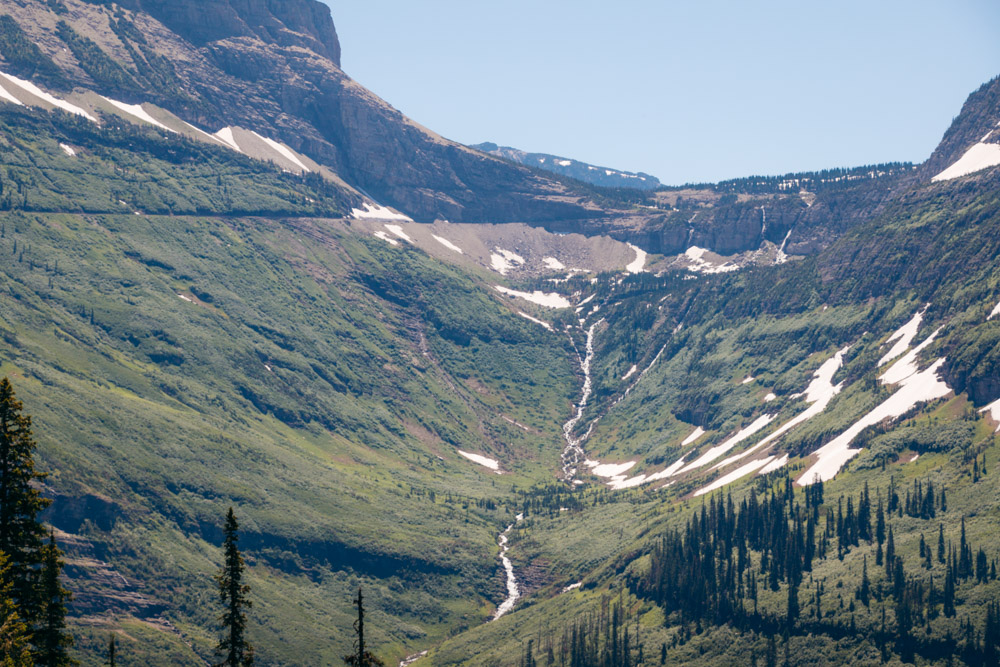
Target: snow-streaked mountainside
[588, 173]
[508, 406]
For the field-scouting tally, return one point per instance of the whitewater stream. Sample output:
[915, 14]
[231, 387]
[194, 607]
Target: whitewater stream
[513, 591]
[573, 454]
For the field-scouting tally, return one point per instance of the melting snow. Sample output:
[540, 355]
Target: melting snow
[631, 372]
[995, 313]
[186, 298]
[776, 464]
[734, 475]
[54, 101]
[979, 157]
[7, 97]
[136, 111]
[747, 380]
[903, 337]
[564, 163]
[512, 257]
[994, 411]
[819, 393]
[225, 135]
[535, 320]
[719, 450]
[572, 587]
[700, 265]
[551, 300]
[385, 237]
[503, 261]
[920, 387]
[698, 432]
[553, 263]
[770, 397]
[284, 151]
[68, 150]
[398, 231]
[608, 469]
[482, 460]
[378, 212]
[906, 366]
[638, 262]
[447, 244]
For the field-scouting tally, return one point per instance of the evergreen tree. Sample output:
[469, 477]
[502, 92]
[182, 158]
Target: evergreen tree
[112, 650]
[234, 594]
[15, 647]
[21, 534]
[52, 642]
[362, 657]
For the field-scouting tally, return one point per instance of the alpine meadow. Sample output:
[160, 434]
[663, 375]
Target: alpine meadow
[287, 378]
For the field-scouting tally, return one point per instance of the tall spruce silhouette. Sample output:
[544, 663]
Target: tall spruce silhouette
[361, 657]
[21, 533]
[234, 594]
[52, 642]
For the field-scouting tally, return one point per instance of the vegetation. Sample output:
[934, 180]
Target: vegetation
[236, 650]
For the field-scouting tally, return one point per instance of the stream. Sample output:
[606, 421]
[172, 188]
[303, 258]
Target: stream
[573, 454]
[513, 592]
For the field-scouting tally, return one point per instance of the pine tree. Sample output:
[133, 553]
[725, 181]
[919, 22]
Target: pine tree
[112, 650]
[234, 594]
[15, 647]
[21, 534]
[51, 640]
[362, 657]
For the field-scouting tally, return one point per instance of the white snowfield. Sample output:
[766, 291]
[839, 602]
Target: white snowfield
[620, 482]
[377, 212]
[136, 111]
[980, 156]
[549, 300]
[608, 469]
[447, 244]
[7, 97]
[503, 261]
[770, 397]
[68, 150]
[564, 163]
[748, 379]
[903, 337]
[32, 89]
[776, 464]
[553, 263]
[819, 393]
[994, 411]
[919, 387]
[482, 460]
[698, 432]
[535, 320]
[906, 366]
[995, 313]
[636, 266]
[398, 231]
[719, 450]
[631, 372]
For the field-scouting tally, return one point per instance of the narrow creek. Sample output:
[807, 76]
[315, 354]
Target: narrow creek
[573, 454]
[513, 591]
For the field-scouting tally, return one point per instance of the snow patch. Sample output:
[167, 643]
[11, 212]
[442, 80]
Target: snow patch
[640, 260]
[572, 587]
[719, 450]
[631, 372]
[698, 432]
[482, 460]
[903, 337]
[553, 263]
[225, 135]
[285, 152]
[447, 244]
[696, 256]
[776, 464]
[906, 366]
[378, 212]
[68, 150]
[186, 298]
[919, 387]
[54, 101]
[535, 320]
[748, 379]
[608, 469]
[742, 471]
[980, 156]
[564, 163]
[995, 313]
[770, 397]
[550, 300]
[136, 111]
[398, 231]
[993, 409]
[7, 97]
[385, 237]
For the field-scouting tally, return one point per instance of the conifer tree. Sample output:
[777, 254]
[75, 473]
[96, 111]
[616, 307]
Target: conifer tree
[15, 647]
[112, 650]
[362, 657]
[21, 534]
[51, 640]
[234, 595]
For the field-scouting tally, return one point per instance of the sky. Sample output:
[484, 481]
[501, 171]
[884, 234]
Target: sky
[693, 91]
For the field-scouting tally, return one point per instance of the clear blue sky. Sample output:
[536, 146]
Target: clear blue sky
[700, 90]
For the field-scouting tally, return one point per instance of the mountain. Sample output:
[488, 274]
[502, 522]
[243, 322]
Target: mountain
[230, 283]
[581, 171]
